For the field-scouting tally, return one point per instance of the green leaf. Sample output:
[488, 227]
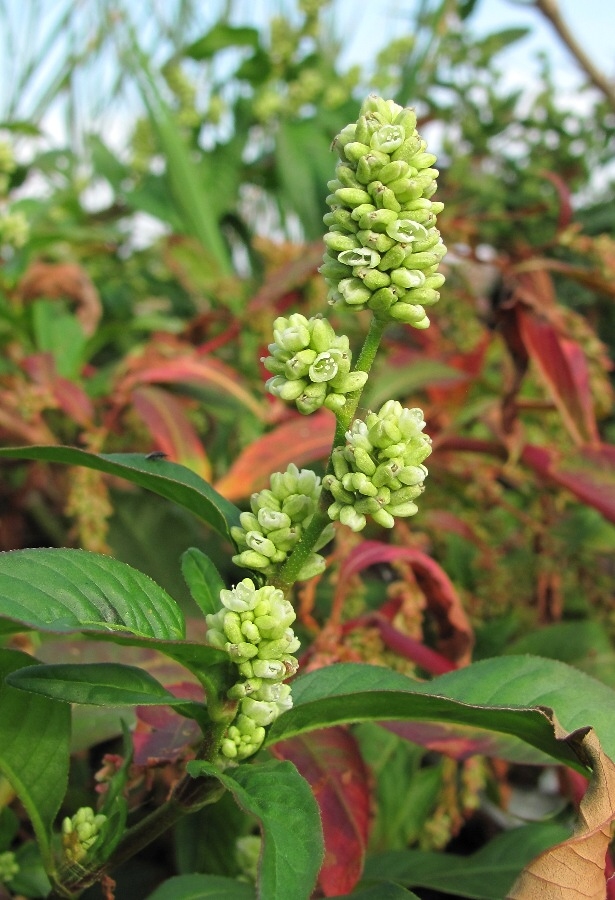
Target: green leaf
[170, 480]
[31, 880]
[485, 875]
[203, 887]
[203, 579]
[289, 820]
[75, 590]
[99, 684]
[34, 750]
[497, 695]
[60, 333]
[303, 160]
[220, 37]
[382, 891]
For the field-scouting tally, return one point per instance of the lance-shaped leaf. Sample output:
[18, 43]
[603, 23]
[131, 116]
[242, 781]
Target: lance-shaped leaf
[331, 763]
[288, 817]
[171, 428]
[168, 479]
[100, 684]
[300, 441]
[588, 473]
[203, 887]
[34, 750]
[484, 875]
[75, 590]
[505, 696]
[203, 579]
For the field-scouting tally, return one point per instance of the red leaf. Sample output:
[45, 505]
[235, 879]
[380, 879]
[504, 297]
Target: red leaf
[330, 761]
[167, 422]
[563, 367]
[588, 473]
[205, 371]
[301, 440]
[163, 735]
[455, 632]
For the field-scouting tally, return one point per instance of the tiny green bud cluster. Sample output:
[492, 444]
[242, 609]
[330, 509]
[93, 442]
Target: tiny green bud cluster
[7, 165]
[9, 867]
[310, 364]
[379, 472]
[80, 832]
[253, 627]
[279, 516]
[383, 247]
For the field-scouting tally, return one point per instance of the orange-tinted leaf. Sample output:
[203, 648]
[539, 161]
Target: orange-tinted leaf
[302, 440]
[173, 433]
[587, 473]
[330, 761]
[204, 371]
[563, 367]
[287, 277]
[56, 280]
[455, 632]
[575, 869]
[70, 398]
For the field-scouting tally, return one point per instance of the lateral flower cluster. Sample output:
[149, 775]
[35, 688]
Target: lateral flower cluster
[380, 471]
[383, 247]
[279, 516]
[310, 364]
[253, 627]
[80, 832]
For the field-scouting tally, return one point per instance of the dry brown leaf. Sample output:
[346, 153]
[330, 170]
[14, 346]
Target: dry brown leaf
[575, 869]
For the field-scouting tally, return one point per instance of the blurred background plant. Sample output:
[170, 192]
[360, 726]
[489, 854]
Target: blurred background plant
[145, 254]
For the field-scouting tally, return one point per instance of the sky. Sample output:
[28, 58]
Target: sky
[367, 25]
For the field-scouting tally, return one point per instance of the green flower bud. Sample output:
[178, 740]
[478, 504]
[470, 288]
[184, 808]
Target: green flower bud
[376, 240]
[347, 383]
[351, 197]
[384, 197]
[377, 220]
[423, 296]
[393, 258]
[383, 518]
[256, 541]
[373, 279]
[393, 171]
[350, 517]
[370, 165]
[322, 335]
[251, 559]
[354, 292]
[347, 176]
[359, 211]
[354, 150]
[338, 242]
[314, 565]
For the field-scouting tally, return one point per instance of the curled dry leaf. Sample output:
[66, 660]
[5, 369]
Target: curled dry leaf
[57, 280]
[575, 869]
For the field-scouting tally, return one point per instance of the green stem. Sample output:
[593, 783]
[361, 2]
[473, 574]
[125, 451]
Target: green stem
[293, 565]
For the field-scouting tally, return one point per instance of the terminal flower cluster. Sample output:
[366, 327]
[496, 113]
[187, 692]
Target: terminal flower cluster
[383, 247]
[80, 832]
[279, 516]
[380, 471]
[310, 364]
[253, 627]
